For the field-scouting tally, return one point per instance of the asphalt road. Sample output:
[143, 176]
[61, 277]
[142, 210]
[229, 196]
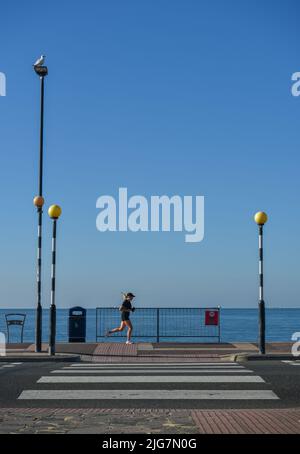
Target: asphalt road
[262, 384]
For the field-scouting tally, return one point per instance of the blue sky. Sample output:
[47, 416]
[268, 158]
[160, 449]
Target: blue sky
[161, 97]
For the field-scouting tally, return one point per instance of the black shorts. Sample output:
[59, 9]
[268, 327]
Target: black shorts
[125, 316]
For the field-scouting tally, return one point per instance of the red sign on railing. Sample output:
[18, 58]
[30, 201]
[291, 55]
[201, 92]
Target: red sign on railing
[212, 318]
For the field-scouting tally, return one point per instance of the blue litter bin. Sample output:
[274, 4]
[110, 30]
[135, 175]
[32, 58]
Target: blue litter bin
[77, 324]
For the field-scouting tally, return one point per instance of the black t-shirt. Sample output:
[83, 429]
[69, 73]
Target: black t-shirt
[126, 305]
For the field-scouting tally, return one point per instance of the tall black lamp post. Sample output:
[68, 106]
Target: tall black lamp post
[38, 201]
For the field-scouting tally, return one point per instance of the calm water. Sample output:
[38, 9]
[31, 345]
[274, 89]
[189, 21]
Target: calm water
[236, 325]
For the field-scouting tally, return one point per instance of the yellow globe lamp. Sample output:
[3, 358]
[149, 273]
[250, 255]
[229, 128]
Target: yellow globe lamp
[260, 218]
[38, 201]
[54, 211]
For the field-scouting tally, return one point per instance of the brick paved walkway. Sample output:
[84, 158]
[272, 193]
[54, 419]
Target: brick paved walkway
[149, 421]
[247, 421]
[120, 352]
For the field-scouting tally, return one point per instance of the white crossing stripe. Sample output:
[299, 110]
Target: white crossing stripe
[157, 366]
[124, 371]
[144, 394]
[292, 363]
[211, 364]
[154, 379]
[2, 365]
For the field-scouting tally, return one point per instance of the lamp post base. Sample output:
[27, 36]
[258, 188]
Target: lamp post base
[262, 327]
[38, 331]
[51, 350]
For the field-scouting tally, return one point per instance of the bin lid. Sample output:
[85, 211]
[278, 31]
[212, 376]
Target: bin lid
[77, 310]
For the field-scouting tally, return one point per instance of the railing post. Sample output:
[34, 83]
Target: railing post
[96, 324]
[219, 308]
[157, 325]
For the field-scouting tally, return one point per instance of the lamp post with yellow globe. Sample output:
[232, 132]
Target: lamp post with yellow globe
[260, 219]
[54, 213]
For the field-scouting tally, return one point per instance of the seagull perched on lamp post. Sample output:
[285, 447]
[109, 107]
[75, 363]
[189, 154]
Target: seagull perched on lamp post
[42, 72]
[40, 61]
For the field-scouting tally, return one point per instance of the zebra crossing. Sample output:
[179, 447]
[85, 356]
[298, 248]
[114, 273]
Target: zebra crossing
[8, 365]
[292, 363]
[150, 381]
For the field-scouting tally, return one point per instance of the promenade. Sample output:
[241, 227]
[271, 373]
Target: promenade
[155, 352]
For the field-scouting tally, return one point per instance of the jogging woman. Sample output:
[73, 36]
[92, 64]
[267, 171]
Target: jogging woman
[125, 310]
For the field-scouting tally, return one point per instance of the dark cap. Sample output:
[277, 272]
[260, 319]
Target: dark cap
[130, 295]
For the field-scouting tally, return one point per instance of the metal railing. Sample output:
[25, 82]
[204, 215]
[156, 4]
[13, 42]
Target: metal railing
[162, 323]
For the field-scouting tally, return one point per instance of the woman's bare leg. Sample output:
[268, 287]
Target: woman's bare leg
[129, 331]
[115, 330]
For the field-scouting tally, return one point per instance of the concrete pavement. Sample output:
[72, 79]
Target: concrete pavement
[152, 352]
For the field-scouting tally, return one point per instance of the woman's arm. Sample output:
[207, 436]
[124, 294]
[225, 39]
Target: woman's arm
[122, 308]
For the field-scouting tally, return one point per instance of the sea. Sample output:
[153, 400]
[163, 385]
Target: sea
[236, 325]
